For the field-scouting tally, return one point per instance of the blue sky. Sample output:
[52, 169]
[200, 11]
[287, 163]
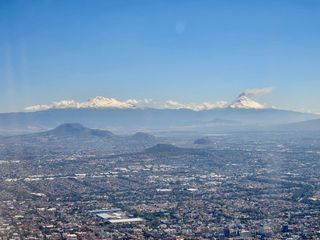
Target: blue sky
[189, 51]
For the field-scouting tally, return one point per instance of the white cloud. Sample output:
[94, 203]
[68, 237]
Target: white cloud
[103, 102]
[243, 101]
[66, 104]
[97, 102]
[148, 100]
[256, 92]
[35, 108]
[195, 106]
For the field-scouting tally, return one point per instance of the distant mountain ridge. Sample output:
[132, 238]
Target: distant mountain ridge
[202, 141]
[134, 120]
[311, 125]
[78, 130]
[74, 137]
[143, 136]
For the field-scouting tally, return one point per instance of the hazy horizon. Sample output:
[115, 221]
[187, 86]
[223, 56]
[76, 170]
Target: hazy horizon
[189, 52]
[168, 119]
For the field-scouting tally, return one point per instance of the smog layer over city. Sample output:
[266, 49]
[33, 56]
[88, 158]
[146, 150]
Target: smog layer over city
[159, 120]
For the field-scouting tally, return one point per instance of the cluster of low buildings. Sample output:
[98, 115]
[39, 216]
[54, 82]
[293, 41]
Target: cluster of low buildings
[209, 194]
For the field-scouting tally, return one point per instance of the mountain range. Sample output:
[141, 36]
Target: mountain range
[244, 100]
[72, 138]
[133, 120]
[311, 125]
[108, 113]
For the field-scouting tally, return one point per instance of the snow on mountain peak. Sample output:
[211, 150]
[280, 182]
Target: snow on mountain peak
[97, 102]
[247, 103]
[244, 101]
[103, 102]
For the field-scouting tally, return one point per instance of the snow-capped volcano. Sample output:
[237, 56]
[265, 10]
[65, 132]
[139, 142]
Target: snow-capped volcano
[246, 103]
[97, 102]
[103, 102]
